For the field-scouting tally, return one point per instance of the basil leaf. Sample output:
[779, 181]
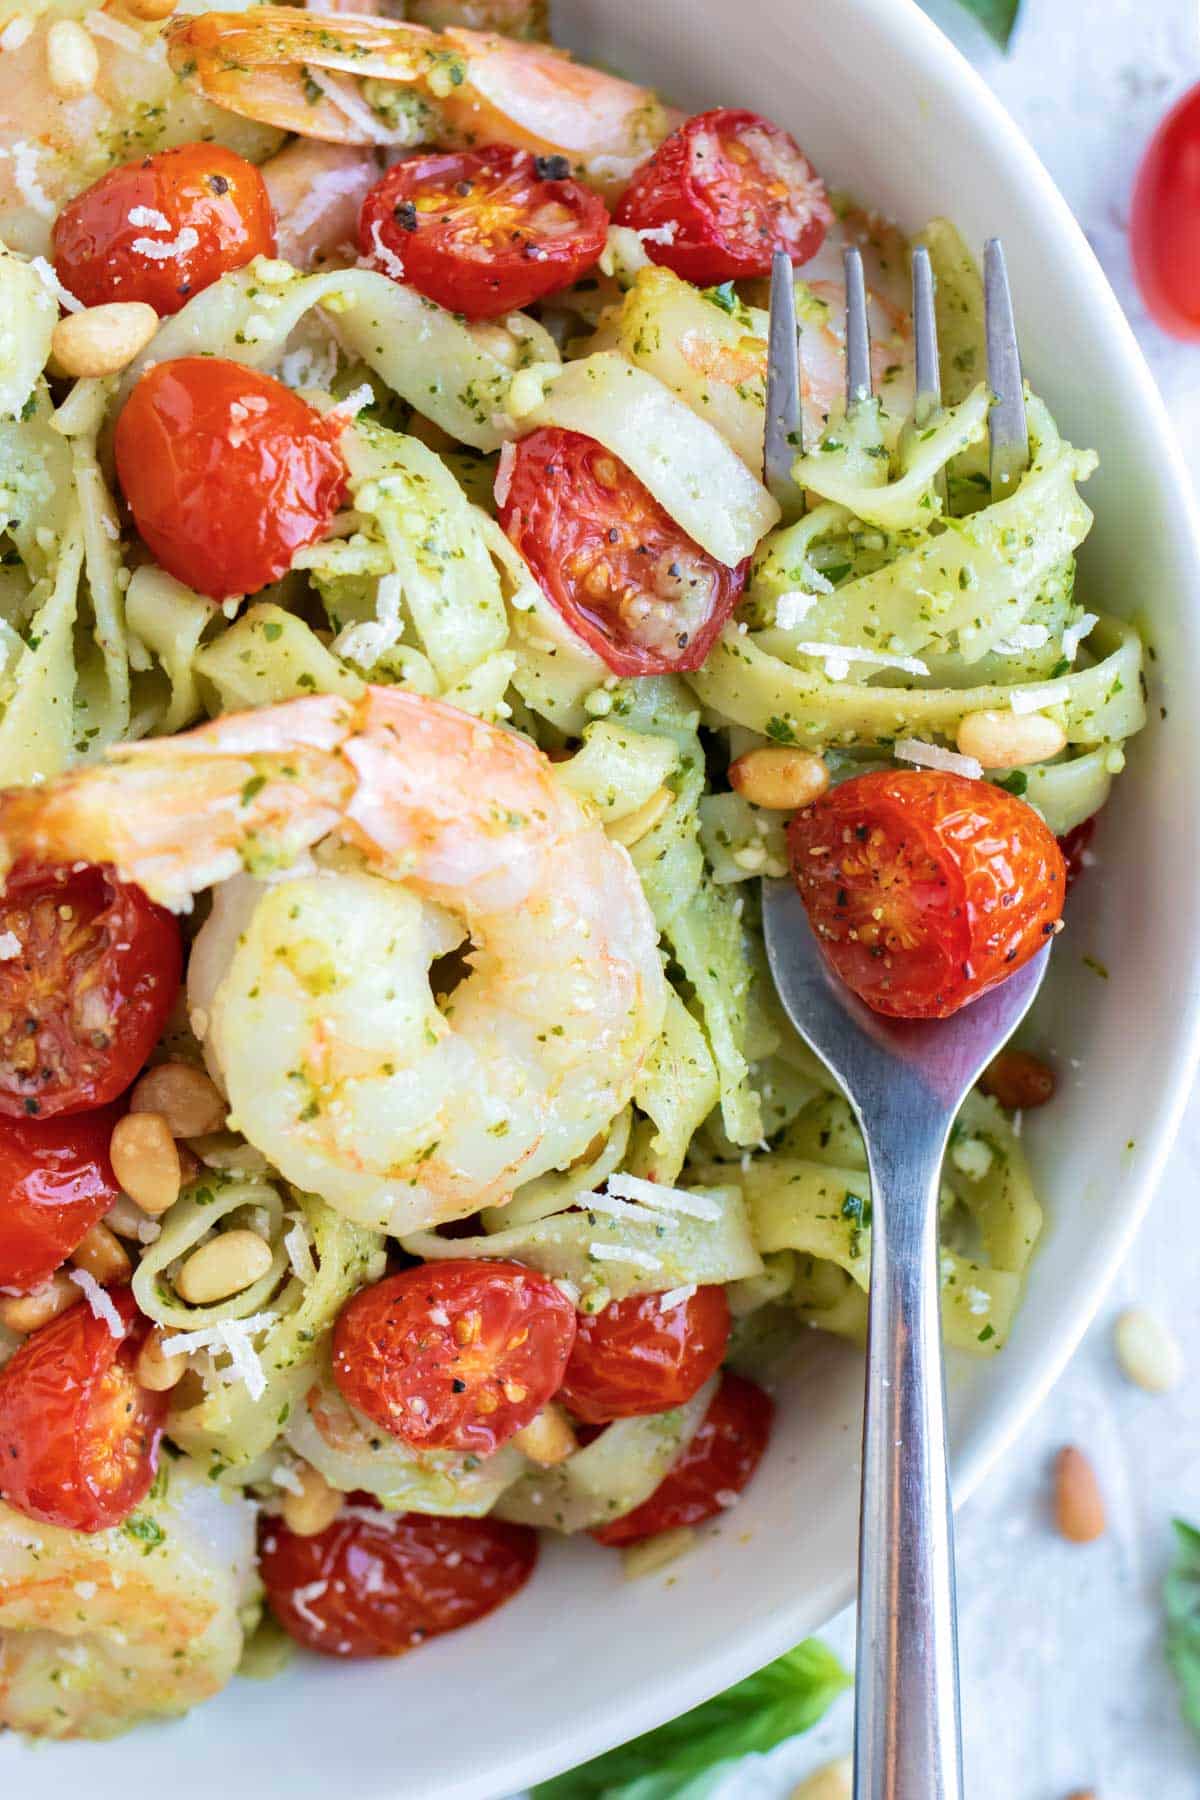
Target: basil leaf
[689, 1757]
[1181, 1591]
[996, 16]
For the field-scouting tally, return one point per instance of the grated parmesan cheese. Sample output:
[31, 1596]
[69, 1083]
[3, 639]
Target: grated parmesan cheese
[366, 642]
[641, 1259]
[149, 218]
[792, 608]
[933, 756]
[10, 946]
[381, 257]
[299, 1254]
[309, 368]
[658, 234]
[188, 238]
[286, 1477]
[233, 1337]
[838, 658]
[25, 178]
[102, 1307]
[665, 1199]
[1024, 700]
[46, 274]
[613, 1209]
[352, 405]
[1074, 635]
[676, 1297]
[504, 472]
[303, 1596]
[1020, 638]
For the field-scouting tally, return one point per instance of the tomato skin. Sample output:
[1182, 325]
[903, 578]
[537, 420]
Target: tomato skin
[1075, 847]
[479, 1347]
[79, 1435]
[55, 1182]
[735, 188]
[611, 560]
[391, 1581]
[483, 232]
[925, 888]
[716, 1465]
[97, 987]
[227, 473]
[1164, 224]
[201, 189]
[634, 1358]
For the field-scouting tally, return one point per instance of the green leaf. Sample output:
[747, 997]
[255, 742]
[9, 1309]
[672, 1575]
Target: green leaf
[1181, 1591]
[996, 16]
[689, 1757]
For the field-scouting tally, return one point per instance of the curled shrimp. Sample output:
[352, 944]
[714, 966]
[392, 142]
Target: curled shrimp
[354, 79]
[311, 993]
[101, 1630]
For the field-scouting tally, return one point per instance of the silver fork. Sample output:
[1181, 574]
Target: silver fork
[905, 1081]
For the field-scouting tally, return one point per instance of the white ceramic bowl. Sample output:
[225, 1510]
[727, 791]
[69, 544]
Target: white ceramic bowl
[582, 1660]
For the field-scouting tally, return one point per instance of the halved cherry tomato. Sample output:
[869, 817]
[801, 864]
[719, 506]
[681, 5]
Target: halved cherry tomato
[79, 1434]
[611, 560]
[1075, 847]
[925, 888]
[1164, 221]
[161, 229]
[84, 995]
[727, 189]
[454, 1355]
[483, 231]
[55, 1181]
[227, 472]
[712, 1471]
[381, 1585]
[634, 1358]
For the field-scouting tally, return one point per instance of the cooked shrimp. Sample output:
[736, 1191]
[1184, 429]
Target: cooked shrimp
[317, 191]
[821, 310]
[100, 1630]
[311, 992]
[360, 80]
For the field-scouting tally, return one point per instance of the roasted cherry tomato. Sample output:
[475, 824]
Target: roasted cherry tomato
[91, 973]
[79, 1434]
[1164, 224]
[712, 1471]
[1076, 849]
[55, 1182]
[454, 1355]
[227, 472]
[634, 1358]
[380, 1585]
[925, 889]
[726, 191]
[483, 231]
[161, 229]
[634, 587]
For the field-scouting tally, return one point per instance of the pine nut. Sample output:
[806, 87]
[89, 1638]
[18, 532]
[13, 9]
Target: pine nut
[547, 1439]
[185, 1096]
[1006, 740]
[72, 60]
[633, 827]
[315, 1507]
[1148, 1351]
[778, 778]
[145, 1161]
[151, 10]
[100, 1255]
[1018, 1080]
[223, 1266]
[102, 340]
[156, 1368]
[830, 1783]
[26, 1312]
[1078, 1504]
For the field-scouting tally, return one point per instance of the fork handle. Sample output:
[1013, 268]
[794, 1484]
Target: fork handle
[907, 1733]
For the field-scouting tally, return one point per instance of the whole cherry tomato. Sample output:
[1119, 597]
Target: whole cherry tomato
[161, 229]
[1164, 224]
[79, 1434]
[55, 1181]
[483, 231]
[611, 560]
[634, 1358]
[726, 191]
[227, 472]
[711, 1472]
[924, 888]
[1076, 849]
[380, 1585]
[454, 1355]
[92, 972]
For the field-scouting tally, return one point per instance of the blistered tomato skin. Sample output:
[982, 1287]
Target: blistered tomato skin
[86, 993]
[638, 591]
[483, 232]
[725, 192]
[227, 473]
[712, 1471]
[1164, 227]
[164, 228]
[56, 1181]
[634, 1358]
[79, 1435]
[925, 888]
[380, 1586]
[454, 1355]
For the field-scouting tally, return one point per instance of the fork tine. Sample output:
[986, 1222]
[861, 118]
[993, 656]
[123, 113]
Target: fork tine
[858, 331]
[783, 436]
[1007, 432]
[928, 398]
